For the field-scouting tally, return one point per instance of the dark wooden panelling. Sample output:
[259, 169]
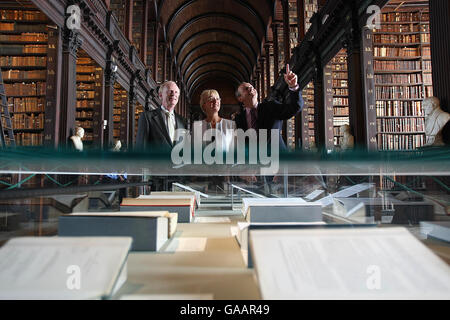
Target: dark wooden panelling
[440, 50]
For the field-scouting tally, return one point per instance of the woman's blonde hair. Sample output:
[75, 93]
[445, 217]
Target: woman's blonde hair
[205, 95]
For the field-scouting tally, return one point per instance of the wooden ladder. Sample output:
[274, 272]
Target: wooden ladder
[6, 129]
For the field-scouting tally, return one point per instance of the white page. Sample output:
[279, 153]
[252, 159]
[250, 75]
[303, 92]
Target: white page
[212, 220]
[364, 263]
[146, 214]
[40, 267]
[272, 202]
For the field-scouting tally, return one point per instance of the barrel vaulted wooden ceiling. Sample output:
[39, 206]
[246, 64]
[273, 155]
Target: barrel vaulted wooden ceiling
[215, 40]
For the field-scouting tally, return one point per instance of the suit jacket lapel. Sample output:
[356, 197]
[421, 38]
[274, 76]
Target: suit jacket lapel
[159, 120]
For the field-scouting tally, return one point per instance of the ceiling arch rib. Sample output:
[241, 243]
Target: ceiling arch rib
[213, 65]
[216, 57]
[215, 46]
[212, 75]
[211, 39]
[216, 34]
[242, 7]
[226, 21]
[217, 67]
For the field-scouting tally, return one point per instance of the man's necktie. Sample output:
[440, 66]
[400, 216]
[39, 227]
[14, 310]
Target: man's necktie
[171, 125]
[253, 117]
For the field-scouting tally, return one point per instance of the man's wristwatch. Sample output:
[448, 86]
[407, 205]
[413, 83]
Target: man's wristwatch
[295, 88]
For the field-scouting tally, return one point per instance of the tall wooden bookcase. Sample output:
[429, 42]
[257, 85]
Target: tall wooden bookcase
[27, 42]
[402, 65]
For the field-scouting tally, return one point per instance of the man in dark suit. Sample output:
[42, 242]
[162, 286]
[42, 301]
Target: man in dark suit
[268, 114]
[157, 127]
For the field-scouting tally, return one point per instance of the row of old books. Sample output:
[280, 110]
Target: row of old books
[398, 92]
[25, 89]
[341, 111]
[396, 65]
[27, 104]
[340, 83]
[412, 78]
[340, 101]
[401, 125]
[399, 108]
[24, 37]
[25, 15]
[399, 141]
[400, 28]
[85, 104]
[339, 74]
[84, 114]
[396, 52]
[401, 17]
[400, 38]
[26, 28]
[28, 139]
[28, 121]
[10, 61]
[21, 74]
[340, 92]
[14, 49]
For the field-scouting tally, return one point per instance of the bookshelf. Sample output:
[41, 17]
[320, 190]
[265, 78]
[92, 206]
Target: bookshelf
[23, 61]
[340, 94]
[137, 113]
[402, 65]
[89, 97]
[137, 23]
[311, 7]
[118, 8]
[308, 117]
[308, 137]
[120, 111]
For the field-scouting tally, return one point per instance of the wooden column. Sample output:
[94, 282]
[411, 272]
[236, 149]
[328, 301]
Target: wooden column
[262, 81]
[301, 119]
[129, 20]
[286, 31]
[131, 110]
[276, 68]
[440, 50]
[145, 8]
[319, 104]
[71, 43]
[98, 115]
[369, 88]
[268, 84]
[300, 20]
[110, 79]
[356, 99]
[53, 88]
[258, 81]
[164, 62]
[328, 107]
[155, 51]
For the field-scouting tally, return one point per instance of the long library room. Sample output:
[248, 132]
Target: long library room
[224, 150]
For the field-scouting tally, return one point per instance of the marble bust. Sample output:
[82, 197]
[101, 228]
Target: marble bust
[435, 120]
[77, 139]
